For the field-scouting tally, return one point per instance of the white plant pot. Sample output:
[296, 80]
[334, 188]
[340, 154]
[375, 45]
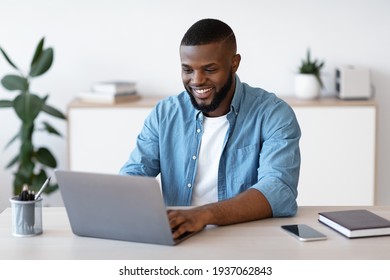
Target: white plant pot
[306, 86]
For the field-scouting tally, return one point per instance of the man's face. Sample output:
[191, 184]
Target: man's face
[208, 76]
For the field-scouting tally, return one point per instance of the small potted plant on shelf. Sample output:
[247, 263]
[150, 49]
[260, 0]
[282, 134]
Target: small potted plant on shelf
[32, 161]
[308, 81]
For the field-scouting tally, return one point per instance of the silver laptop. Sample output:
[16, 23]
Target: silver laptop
[129, 208]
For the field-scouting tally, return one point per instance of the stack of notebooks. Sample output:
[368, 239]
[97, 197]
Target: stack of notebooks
[110, 92]
[356, 223]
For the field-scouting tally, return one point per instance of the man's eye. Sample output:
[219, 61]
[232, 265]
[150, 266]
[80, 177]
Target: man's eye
[210, 70]
[186, 70]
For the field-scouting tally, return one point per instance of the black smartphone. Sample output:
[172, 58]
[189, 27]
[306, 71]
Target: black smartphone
[304, 232]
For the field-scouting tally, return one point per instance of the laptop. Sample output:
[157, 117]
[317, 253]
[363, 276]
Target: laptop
[127, 208]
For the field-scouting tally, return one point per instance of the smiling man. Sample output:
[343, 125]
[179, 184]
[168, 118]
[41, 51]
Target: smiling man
[229, 149]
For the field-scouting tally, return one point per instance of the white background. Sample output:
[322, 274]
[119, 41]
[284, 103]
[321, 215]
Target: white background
[98, 40]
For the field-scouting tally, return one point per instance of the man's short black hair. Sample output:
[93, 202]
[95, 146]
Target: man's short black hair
[207, 31]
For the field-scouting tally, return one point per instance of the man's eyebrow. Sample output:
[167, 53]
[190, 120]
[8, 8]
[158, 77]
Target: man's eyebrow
[210, 65]
[203, 66]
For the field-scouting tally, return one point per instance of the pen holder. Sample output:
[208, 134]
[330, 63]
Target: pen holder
[26, 217]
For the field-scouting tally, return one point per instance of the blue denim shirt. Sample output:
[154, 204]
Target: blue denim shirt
[261, 149]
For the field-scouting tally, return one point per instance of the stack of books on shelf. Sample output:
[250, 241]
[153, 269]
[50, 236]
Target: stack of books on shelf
[110, 92]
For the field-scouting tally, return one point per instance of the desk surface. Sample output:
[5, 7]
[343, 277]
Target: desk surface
[254, 240]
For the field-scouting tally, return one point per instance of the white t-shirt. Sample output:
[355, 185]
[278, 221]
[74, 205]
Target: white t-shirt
[206, 180]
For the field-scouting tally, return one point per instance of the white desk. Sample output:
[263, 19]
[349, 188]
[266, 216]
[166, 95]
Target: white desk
[254, 240]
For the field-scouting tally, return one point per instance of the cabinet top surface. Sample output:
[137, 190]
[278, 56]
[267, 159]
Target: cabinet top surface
[326, 101]
[144, 101]
[151, 101]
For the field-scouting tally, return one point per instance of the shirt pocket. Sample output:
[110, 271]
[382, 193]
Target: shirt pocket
[245, 164]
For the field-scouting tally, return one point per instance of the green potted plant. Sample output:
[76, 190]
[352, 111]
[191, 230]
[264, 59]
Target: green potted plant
[308, 81]
[32, 161]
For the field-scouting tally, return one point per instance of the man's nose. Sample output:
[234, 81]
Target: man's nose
[197, 78]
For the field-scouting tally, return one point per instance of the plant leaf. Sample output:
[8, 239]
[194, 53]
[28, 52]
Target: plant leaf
[19, 181]
[49, 128]
[8, 59]
[26, 132]
[51, 188]
[53, 111]
[311, 67]
[45, 157]
[6, 103]
[12, 140]
[39, 179]
[38, 51]
[26, 152]
[28, 106]
[12, 161]
[23, 176]
[14, 82]
[43, 63]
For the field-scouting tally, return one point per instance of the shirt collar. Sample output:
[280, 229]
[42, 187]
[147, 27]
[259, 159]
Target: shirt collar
[238, 95]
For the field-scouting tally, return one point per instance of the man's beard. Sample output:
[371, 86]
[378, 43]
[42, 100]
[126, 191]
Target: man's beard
[217, 100]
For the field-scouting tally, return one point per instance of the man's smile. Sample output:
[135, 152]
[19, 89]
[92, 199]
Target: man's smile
[202, 93]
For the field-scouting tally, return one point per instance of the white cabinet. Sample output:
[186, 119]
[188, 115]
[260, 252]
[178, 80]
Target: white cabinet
[101, 137]
[337, 145]
[337, 150]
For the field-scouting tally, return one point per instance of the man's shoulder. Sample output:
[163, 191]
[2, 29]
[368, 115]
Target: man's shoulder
[173, 100]
[260, 97]
[173, 104]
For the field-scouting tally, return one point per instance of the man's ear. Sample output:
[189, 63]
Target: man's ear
[236, 62]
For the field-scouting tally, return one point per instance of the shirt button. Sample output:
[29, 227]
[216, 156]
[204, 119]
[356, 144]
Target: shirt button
[194, 157]
[198, 130]
[189, 185]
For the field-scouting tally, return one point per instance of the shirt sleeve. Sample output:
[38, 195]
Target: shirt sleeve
[144, 160]
[279, 161]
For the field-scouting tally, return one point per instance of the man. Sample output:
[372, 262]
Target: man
[227, 148]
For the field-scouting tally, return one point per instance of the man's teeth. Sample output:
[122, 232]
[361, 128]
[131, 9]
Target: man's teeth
[202, 91]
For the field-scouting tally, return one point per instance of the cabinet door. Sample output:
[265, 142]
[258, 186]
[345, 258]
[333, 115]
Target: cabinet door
[101, 139]
[338, 155]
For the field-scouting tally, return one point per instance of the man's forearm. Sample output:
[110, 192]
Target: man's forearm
[248, 206]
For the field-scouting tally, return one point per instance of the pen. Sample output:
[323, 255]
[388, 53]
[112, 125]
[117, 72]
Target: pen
[23, 196]
[26, 214]
[42, 188]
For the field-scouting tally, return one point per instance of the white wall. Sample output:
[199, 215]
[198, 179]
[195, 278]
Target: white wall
[138, 40]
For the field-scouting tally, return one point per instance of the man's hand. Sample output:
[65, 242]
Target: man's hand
[191, 220]
[248, 206]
